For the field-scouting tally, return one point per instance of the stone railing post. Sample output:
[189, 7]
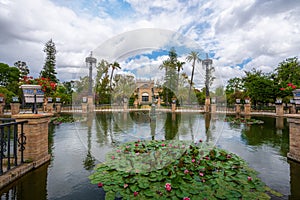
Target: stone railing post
[247, 109]
[294, 152]
[36, 132]
[279, 110]
[15, 108]
[173, 105]
[213, 108]
[58, 107]
[2, 108]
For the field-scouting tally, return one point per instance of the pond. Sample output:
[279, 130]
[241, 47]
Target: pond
[77, 147]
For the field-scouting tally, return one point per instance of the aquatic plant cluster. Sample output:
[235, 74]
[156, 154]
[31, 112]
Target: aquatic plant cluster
[239, 120]
[176, 170]
[62, 119]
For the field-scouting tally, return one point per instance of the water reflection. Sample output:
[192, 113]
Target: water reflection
[77, 147]
[89, 161]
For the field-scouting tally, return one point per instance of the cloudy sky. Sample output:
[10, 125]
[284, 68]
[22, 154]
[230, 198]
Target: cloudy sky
[238, 35]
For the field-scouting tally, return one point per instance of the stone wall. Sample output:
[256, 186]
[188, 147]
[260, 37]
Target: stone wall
[294, 152]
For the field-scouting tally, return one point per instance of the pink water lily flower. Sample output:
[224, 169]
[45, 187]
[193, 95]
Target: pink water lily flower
[193, 160]
[249, 178]
[186, 171]
[201, 174]
[186, 198]
[168, 187]
[100, 185]
[135, 193]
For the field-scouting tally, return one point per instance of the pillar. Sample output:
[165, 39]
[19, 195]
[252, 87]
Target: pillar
[90, 104]
[58, 107]
[207, 104]
[84, 107]
[292, 109]
[135, 103]
[294, 153]
[49, 107]
[238, 109]
[158, 102]
[36, 132]
[247, 109]
[15, 108]
[213, 108]
[279, 110]
[2, 108]
[173, 105]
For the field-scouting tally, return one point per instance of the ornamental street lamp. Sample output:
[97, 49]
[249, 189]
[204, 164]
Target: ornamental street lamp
[207, 64]
[35, 111]
[90, 61]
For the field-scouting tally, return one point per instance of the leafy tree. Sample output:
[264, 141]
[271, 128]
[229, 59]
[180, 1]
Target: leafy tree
[193, 57]
[9, 78]
[288, 71]
[80, 89]
[48, 70]
[102, 80]
[259, 86]
[124, 87]
[114, 66]
[171, 66]
[64, 91]
[287, 78]
[22, 66]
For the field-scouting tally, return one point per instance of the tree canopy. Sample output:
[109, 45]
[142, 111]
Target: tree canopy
[48, 70]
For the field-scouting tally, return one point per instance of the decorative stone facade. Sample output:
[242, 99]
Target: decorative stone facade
[145, 90]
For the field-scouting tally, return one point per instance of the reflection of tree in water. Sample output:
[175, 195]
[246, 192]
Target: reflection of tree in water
[207, 117]
[257, 135]
[104, 127]
[140, 117]
[171, 125]
[89, 161]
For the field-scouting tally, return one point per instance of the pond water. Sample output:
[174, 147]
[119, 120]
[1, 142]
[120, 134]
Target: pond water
[77, 147]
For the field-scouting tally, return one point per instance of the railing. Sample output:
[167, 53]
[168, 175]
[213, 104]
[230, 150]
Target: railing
[9, 143]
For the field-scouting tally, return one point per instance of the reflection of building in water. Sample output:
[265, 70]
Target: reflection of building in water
[146, 91]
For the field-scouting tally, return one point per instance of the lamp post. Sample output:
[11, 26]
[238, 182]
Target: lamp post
[90, 61]
[207, 64]
[34, 104]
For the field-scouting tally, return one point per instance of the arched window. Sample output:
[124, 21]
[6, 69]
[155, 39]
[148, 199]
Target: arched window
[145, 97]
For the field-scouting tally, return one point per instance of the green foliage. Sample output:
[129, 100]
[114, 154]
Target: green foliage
[102, 87]
[172, 68]
[9, 78]
[174, 170]
[64, 92]
[259, 86]
[23, 68]
[48, 70]
[7, 94]
[62, 119]
[240, 120]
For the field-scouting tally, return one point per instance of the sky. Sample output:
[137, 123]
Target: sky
[237, 35]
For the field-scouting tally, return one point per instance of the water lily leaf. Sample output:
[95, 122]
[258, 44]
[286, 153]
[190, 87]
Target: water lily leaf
[110, 195]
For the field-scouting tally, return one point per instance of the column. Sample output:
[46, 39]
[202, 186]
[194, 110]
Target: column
[36, 132]
[279, 110]
[15, 108]
[294, 152]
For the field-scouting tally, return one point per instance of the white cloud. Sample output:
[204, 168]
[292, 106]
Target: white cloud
[265, 31]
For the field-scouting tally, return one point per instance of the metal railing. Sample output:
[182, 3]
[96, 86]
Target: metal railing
[10, 140]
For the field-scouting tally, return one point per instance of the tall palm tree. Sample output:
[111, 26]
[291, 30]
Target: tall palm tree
[194, 57]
